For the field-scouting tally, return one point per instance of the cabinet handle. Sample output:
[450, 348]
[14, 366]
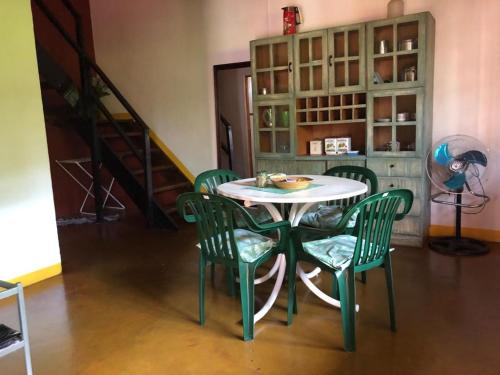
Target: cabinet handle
[391, 185]
[330, 60]
[290, 66]
[391, 166]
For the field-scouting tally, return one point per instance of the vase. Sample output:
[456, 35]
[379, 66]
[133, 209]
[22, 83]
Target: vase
[395, 8]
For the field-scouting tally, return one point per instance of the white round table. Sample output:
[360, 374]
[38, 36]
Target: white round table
[327, 189]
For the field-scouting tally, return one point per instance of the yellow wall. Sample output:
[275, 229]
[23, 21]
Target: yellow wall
[28, 233]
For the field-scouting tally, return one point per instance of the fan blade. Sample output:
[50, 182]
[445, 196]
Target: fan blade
[441, 154]
[475, 157]
[456, 181]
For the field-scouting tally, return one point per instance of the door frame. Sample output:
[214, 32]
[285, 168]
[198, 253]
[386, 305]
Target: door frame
[218, 135]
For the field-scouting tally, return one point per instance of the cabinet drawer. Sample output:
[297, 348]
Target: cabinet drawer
[396, 167]
[413, 184]
[409, 225]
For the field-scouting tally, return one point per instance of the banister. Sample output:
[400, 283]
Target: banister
[91, 63]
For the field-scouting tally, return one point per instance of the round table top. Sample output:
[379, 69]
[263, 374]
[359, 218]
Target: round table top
[329, 188]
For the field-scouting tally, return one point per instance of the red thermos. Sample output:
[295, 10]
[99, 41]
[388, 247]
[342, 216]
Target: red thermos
[291, 18]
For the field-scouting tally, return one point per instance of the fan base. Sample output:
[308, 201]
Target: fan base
[458, 246]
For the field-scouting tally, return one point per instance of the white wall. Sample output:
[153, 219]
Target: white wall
[28, 233]
[176, 94]
[154, 52]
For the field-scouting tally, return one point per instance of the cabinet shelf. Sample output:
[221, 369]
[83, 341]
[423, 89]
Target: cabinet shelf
[323, 123]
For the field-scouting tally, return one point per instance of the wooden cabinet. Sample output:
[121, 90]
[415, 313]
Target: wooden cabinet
[273, 126]
[395, 46]
[272, 68]
[320, 84]
[346, 58]
[395, 122]
[311, 63]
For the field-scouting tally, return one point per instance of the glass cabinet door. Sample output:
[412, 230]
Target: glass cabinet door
[273, 124]
[311, 70]
[395, 123]
[346, 58]
[272, 68]
[396, 52]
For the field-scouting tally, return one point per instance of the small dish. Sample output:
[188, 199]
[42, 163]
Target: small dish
[384, 119]
[293, 183]
[353, 153]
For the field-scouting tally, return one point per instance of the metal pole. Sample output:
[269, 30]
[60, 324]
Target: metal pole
[148, 177]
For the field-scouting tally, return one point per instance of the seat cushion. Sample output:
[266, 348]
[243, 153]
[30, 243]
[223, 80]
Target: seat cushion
[259, 213]
[326, 217]
[335, 252]
[251, 245]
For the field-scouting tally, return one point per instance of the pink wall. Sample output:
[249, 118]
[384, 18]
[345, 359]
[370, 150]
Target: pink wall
[161, 54]
[467, 61]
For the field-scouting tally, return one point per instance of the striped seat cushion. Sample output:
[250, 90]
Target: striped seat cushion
[336, 252]
[251, 246]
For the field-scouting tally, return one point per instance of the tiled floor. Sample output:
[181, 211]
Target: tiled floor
[127, 304]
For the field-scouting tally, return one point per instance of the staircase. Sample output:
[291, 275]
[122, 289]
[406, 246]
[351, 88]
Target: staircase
[124, 147]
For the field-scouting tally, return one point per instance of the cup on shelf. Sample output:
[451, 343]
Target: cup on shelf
[402, 116]
[383, 46]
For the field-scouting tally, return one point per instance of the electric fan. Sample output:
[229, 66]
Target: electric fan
[456, 165]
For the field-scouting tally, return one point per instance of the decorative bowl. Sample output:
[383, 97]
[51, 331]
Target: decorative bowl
[293, 183]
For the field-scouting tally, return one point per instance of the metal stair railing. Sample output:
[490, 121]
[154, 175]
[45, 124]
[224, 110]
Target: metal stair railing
[86, 66]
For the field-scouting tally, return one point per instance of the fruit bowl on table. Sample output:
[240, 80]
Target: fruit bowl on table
[292, 182]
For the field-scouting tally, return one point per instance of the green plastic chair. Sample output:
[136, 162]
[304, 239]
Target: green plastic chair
[343, 254]
[224, 243]
[207, 182]
[330, 215]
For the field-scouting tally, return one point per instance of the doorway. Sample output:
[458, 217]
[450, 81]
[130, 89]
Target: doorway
[233, 111]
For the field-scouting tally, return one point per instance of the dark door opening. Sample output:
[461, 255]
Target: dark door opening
[233, 111]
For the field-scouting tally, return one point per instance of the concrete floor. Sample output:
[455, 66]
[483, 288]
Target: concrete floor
[127, 304]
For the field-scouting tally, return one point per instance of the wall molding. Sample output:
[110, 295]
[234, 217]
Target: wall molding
[179, 164]
[38, 275]
[490, 235]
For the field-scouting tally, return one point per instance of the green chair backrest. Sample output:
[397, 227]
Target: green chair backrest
[357, 173]
[376, 215]
[215, 223]
[208, 181]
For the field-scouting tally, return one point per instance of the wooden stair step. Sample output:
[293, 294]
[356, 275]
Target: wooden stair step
[116, 135]
[157, 168]
[170, 209]
[179, 185]
[124, 154]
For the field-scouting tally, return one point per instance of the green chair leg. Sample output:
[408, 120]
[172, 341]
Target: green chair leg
[212, 273]
[363, 277]
[347, 306]
[390, 291]
[335, 287]
[292, 295]
[230, 281]
[247, 299]
[201, 293]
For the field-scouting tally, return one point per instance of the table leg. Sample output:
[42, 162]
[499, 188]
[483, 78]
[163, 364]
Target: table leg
[296, 214]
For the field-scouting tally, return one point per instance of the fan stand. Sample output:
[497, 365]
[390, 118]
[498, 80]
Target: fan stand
[457, 245]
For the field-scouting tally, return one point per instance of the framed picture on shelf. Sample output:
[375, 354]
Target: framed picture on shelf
[343, 145]
[315, 147]
[331, 146]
